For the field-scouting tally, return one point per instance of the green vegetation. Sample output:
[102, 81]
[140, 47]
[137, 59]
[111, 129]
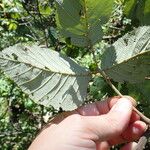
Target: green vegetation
[58, 26]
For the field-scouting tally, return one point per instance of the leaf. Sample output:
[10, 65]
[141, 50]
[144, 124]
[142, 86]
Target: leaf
[129, 57]
[144, 89]
[45, 9]
[3, 107]
[12, 26]
[81, 20]
[48, 77]
[140, 92]
[138, 11]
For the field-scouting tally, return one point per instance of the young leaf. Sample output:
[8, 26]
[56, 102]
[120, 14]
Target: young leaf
[48, 77]
[138, 11]
[128, 59]
[81, 20]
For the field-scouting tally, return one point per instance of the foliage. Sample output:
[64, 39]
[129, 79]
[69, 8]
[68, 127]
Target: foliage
[20, 118]
[23, 21]
[82, 21]
[138, 11]
[93, 33]
[46, 76]
[120, 61]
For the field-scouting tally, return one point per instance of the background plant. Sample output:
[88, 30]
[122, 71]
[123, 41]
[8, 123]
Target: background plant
[38, 21]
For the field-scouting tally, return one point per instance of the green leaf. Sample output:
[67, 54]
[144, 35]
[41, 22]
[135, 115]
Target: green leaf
[45, 10]
[128, 59]
[144, 89]
[3, 108]
[140, 92]
[48, 77]
[81, 20]
[138, 11]
[12, 26]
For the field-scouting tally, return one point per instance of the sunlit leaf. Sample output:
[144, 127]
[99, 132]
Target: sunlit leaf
[48, 77]
[128, 59]
[81, 20]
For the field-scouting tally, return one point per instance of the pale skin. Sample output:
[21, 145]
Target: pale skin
[96, 126]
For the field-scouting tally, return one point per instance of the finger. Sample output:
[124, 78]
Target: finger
[102, 146]
[110, 124]
[131, 99]
[97, 108]
[134, 117]
[102, 107]
[93, 109]
[57, 119]
[129, 146]
[133, 132]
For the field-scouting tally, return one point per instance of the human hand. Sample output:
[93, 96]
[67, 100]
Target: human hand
[95, 126]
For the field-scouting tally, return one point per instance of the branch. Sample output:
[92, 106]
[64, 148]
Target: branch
[143, 140]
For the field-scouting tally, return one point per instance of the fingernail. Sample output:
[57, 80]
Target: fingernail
[122, 105]
[131, 99]
[139, 127]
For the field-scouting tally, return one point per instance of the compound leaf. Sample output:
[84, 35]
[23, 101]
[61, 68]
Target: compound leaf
[48, 77]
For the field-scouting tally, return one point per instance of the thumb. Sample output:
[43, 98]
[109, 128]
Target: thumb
[111, 124]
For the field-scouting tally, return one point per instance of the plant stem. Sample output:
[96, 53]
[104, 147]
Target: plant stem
[109, 82]
[143, 117]
[107, 79]
[143, 140]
